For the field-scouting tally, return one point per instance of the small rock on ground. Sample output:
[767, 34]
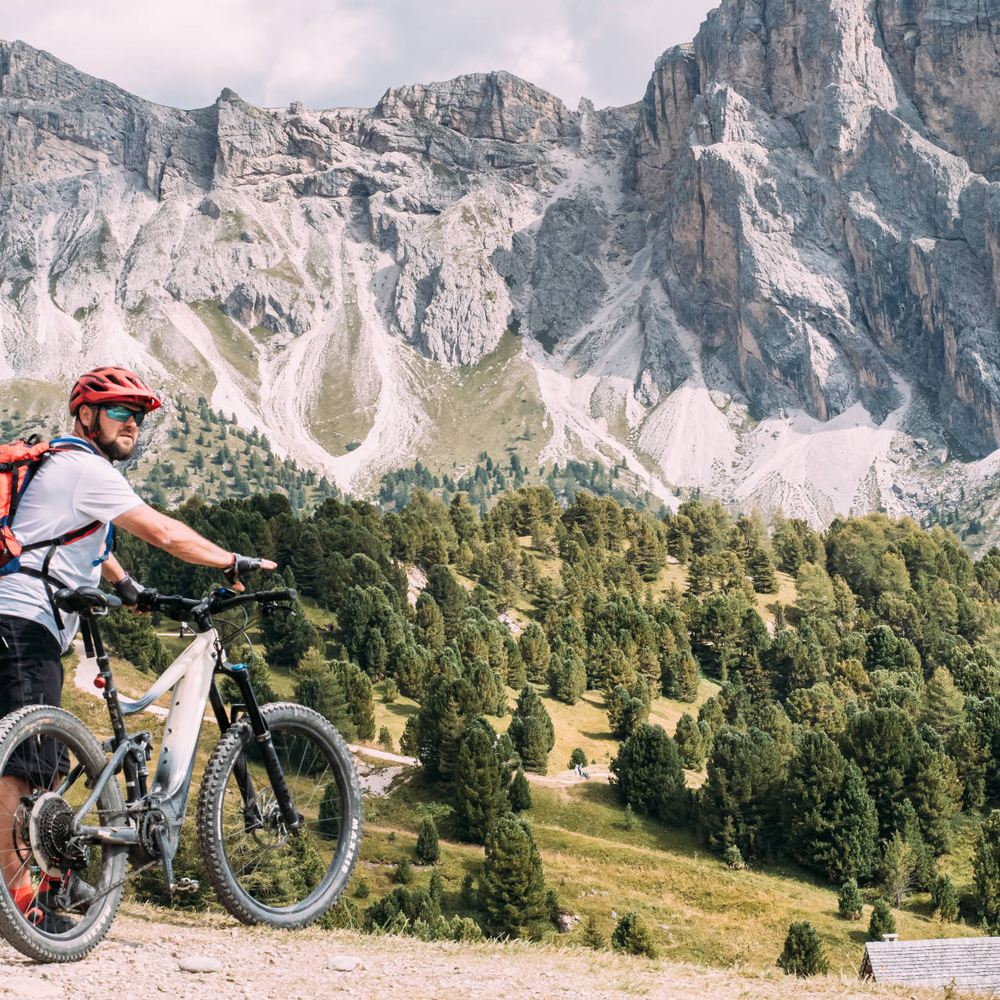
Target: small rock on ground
[343, 963]
[199, 963]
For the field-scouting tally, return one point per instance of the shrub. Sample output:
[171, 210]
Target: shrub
[390, 691]
[733, 859]
[577, 757]
[633, 936]
[803, 952]
[882, 921]
[385, 739]
[343, 916]
[850, 900]
[464, 929]
[428, 849]
[363, 890]
[404, 871]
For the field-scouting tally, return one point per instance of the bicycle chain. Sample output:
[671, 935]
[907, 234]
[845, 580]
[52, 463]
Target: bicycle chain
[111, 888]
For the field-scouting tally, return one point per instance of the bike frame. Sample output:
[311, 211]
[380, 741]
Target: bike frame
[164, 805]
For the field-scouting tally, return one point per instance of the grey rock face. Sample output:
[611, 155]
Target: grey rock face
[483, 106]
[568, 284]
[819, 164]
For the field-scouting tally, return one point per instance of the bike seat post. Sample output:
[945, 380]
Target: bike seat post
[104, 670]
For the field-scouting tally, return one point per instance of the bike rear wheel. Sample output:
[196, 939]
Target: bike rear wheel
[261, 871]
[56, 759]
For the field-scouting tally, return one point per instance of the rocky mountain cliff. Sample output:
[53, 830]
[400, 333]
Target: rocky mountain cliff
[776, 278]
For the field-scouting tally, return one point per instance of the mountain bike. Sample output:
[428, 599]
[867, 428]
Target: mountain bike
[278, 815]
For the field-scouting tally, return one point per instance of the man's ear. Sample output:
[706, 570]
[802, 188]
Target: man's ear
[88, 426]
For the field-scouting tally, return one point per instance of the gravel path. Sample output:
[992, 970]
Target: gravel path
[141, 960]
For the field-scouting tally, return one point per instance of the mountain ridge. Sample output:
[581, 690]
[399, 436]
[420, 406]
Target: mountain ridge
[777, 283]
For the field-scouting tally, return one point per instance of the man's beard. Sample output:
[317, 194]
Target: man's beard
[116, 452]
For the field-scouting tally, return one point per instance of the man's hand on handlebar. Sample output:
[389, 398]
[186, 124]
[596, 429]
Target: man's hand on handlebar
[128, 590]
[242, 565]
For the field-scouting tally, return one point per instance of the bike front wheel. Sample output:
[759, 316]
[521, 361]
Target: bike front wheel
[59, 891]
[262, 870]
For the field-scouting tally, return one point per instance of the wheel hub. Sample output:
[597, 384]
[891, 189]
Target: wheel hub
[271, 832]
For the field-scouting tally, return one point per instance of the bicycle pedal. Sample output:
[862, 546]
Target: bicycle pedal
[186, 885]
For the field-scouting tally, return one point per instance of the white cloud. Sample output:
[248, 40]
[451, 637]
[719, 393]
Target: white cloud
[347, 52]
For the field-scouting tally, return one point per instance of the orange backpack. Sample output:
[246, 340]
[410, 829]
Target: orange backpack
[19, 461]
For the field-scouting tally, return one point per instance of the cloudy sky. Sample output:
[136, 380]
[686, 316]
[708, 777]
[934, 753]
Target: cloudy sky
[345, 53]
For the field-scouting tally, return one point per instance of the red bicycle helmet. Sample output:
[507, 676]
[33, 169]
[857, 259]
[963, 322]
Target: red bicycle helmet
[112, 384]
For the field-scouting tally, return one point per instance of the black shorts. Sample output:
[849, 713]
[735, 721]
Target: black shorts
[31, 673]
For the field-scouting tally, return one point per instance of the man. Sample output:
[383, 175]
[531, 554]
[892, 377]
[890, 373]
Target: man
[72, 490]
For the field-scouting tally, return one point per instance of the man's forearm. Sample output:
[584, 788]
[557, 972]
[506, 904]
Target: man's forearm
[173, 536]
[185, 543]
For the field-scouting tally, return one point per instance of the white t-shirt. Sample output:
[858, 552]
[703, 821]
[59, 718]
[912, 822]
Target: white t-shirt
[69, 491]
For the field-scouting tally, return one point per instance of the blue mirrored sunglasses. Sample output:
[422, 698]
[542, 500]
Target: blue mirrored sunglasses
[122, 413]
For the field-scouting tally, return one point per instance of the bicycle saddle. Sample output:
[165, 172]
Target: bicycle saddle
[85, 600]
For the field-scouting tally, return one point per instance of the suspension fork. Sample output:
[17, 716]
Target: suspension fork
[251, 810]
[262, 736]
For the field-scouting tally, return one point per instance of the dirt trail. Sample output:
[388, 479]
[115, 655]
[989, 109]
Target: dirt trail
[140, 957]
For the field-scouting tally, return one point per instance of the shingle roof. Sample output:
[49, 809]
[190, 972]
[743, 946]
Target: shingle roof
[972, 963]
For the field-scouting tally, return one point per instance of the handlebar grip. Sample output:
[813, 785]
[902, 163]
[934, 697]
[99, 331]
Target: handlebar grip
[267, 596]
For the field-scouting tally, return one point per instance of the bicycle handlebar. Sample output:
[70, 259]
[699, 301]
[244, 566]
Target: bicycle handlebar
[219, 600]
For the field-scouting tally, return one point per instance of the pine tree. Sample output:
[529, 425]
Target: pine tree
[449, 595]
[882, 921]
[428, 849]
[898, 867]
[803, 952]
[689, 742]
[986, 871]
[740, 799]
[535, 652]
[520, 792]
[944, 898]
[627, 709]
[512, 882]
[428, 625]
[477, 789]
[850, 900]
[531, 731]
[760, 568]
[567, 677]
[944, 705]
[436, 887]
[287, 637]
[823, 833]
[592, 936]
[357, 688]
[319, 688]
[648, 775]
[404, 871]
